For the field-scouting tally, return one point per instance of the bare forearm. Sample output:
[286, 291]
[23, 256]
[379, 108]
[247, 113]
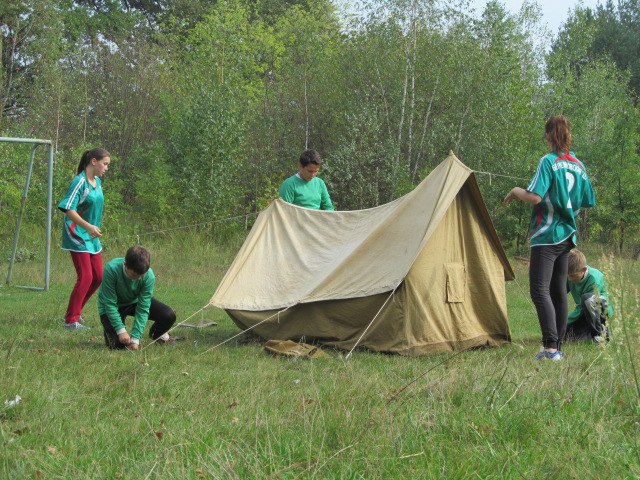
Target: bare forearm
[523, 195]
[75, 217]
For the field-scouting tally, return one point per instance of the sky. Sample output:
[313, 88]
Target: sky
[555, 12]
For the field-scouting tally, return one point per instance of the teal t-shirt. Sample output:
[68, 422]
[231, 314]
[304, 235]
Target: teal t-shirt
[118, 290]
[563, 185]
[88, 201]
[593, 282]
[311, 194]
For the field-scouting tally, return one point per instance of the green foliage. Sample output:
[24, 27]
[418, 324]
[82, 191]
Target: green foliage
[608, 32]
[206, 106]
[361, 169]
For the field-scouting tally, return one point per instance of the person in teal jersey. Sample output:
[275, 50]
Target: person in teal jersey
[127, 289]
[558, 190]
[304, 188]
[589, 290]
[83, 206]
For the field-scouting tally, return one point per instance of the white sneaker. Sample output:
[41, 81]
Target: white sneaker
[75, 326]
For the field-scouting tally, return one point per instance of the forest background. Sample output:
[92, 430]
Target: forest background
[205, 106]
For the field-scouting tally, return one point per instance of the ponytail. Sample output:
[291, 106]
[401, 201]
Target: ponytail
[558, 133]
[97, 153]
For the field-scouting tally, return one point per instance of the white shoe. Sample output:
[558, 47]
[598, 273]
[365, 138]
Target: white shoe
[75, 326]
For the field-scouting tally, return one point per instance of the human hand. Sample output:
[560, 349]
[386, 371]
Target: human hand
[124, 338]
[512, 195]
[133, 346]
[94, 231]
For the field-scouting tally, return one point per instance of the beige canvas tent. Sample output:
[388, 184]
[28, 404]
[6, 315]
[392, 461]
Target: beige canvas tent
[422, 274]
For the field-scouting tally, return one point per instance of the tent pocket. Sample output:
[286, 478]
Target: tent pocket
[456, 282]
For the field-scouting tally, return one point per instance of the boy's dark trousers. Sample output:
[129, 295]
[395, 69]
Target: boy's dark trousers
[162, 316]
[592, 321]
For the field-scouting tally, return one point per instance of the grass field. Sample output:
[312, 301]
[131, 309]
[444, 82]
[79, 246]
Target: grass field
[191, 411]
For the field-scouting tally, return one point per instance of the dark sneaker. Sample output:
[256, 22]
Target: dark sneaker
[75, 326]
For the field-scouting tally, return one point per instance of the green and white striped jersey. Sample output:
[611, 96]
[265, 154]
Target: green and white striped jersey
[564, 186]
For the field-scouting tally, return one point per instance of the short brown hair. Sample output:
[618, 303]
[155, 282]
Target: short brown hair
[310, 156]
[138, 259]
[577, 261]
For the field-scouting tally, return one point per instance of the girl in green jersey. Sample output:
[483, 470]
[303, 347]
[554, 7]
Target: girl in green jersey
[558, 190]
[83, 205]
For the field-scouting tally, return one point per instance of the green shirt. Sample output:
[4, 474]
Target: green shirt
[563, 185]
[593, 282]
[118, 290]
[88, 201]
[311, 194]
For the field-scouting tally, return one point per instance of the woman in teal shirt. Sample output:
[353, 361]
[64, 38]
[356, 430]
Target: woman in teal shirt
[558, 190]
[83, 205]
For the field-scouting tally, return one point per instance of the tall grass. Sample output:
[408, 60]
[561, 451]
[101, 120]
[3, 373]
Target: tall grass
[236, 412]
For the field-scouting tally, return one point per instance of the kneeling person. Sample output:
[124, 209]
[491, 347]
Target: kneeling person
[127, 289]
[588, 289]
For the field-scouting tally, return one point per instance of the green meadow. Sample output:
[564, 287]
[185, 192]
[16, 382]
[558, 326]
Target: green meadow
[198, 410]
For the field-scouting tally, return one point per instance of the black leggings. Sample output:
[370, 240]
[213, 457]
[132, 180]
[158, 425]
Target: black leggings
[548, 289]
[162, 315]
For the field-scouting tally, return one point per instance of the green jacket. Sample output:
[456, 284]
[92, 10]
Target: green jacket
[118, 290]
[593, 282]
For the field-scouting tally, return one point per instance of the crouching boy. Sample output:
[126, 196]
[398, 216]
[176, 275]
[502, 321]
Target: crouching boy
[588, 289]
[127, 289]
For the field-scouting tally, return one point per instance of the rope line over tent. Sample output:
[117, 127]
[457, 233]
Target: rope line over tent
[491, 174]
[253, 214]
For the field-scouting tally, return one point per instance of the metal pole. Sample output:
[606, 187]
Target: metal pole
[25, 140]
[47, 265]
[35, 143]
[23, 200]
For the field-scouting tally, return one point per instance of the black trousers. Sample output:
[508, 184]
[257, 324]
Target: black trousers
[548, 288]
[162, 316]
[592, 321]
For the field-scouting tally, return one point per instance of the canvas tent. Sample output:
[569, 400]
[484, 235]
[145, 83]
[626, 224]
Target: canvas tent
[427, 268]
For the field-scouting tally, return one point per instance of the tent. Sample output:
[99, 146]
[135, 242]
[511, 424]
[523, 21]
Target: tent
[423, 274]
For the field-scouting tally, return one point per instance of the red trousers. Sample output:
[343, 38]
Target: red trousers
[89, 270]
